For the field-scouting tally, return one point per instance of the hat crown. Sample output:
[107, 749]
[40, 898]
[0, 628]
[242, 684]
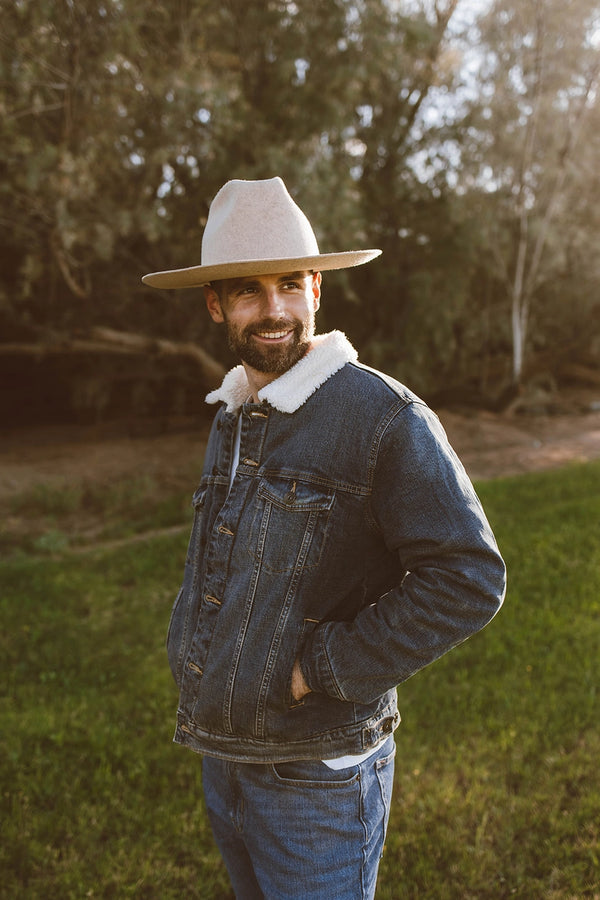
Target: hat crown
[255, 228]
[255, 220]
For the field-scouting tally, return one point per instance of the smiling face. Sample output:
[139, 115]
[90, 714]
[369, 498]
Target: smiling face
[270, 319]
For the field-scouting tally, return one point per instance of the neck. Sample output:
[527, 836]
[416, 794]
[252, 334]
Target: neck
[258, 380]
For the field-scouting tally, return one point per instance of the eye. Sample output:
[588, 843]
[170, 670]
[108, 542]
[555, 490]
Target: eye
[247, 290]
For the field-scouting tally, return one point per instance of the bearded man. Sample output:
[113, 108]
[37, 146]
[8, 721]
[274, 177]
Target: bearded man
[338, 547]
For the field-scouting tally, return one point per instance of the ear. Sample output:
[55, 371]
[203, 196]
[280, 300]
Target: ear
[213, 304]
[316, 289]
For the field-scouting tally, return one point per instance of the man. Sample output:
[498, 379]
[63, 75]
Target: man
[337, 548]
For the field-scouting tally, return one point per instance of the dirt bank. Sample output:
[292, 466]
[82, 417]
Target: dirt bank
[490, 445]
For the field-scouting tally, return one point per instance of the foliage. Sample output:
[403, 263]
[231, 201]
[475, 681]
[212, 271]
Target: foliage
[498, 747]
[121, 120]
[540, 82]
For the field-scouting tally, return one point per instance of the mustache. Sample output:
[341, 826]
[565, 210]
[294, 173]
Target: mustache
[273, 325]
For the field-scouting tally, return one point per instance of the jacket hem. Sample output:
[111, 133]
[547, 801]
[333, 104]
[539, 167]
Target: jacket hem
[359, 738]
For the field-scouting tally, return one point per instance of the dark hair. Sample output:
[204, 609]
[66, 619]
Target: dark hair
[217, 287]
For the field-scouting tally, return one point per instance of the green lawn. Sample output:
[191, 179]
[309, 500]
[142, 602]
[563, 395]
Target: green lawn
[497, 788]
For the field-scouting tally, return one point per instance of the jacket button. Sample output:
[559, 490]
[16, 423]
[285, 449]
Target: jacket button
[195, 668]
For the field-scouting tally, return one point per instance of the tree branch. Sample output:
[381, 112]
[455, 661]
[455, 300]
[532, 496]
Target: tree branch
[573, 135]
[119, 343]
[61, 258]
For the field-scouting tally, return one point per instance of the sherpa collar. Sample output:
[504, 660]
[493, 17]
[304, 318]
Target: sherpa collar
[330, 352]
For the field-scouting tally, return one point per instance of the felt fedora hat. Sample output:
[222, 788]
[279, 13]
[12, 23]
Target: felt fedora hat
[255, 228]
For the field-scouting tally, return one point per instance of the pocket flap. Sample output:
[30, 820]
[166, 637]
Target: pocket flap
[291, 494]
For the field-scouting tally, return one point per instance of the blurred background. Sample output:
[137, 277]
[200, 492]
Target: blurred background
[463, 138]
[460, 136]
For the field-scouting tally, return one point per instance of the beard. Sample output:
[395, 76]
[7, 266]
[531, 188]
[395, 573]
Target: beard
[277, 358]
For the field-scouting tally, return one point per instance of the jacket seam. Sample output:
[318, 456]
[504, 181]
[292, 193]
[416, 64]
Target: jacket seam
[382, 429]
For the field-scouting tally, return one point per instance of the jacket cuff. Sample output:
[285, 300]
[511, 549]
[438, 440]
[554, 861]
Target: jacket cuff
[315, 665]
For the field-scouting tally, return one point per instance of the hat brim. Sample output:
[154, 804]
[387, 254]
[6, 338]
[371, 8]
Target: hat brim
[196, 276]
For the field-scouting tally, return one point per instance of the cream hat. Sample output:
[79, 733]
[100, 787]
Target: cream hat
[255, 228]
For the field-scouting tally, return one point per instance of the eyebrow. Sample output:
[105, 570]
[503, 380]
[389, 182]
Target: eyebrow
[293, 276]
[250, 279]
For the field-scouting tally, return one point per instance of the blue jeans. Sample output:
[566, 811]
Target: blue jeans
[300, 829]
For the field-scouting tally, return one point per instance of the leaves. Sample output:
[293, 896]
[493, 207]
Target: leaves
[120, 121]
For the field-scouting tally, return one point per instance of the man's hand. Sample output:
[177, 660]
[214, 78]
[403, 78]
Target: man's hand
[299, 685]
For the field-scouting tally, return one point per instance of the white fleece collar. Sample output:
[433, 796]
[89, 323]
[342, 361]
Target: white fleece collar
[330, 352]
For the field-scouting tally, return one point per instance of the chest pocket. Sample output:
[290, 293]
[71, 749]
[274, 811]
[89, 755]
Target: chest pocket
[290, 525]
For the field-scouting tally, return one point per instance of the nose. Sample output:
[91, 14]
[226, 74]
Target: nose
[273, 302]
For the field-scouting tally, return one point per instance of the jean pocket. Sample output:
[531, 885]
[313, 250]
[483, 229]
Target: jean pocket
[313, 773]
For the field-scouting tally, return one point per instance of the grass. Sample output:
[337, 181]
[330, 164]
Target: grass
[50, 518]
[496, 778]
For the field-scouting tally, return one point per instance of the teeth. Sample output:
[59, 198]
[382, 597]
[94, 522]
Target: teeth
[272, 334]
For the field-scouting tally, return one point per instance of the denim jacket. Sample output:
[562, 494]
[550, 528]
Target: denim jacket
[351, 538]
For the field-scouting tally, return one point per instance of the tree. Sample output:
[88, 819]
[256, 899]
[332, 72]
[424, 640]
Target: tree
[537, 120]
[121, 119]
[404, 54]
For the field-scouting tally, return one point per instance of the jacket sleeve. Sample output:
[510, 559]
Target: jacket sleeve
[426, 510]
